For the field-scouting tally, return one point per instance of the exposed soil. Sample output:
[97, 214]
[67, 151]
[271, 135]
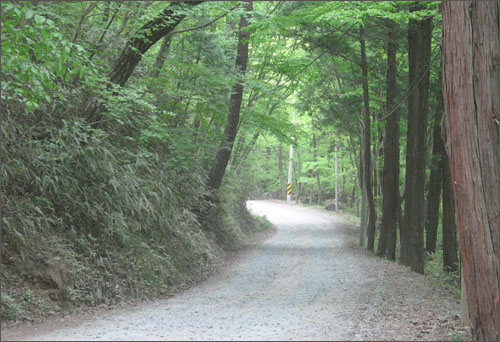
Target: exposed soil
[309, 281]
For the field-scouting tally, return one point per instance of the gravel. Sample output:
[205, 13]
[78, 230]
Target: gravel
[309, 281]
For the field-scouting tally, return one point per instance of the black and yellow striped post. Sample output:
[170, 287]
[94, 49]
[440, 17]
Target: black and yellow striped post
[289, 191]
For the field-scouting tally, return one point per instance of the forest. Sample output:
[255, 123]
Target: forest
[134, 132]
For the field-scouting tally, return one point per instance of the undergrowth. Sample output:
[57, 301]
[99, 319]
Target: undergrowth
[89, 219]
[449, 279]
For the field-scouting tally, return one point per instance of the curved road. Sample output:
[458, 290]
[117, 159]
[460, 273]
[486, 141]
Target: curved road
[309, 281]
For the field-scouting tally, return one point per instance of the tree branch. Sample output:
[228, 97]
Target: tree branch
[206, 24]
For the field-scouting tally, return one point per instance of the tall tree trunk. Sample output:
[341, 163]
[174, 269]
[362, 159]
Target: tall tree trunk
[231, 129]
[367, 182]
[364, 206]
[434, 193]
[374, 158]
[412, 231]
[449, 229]
[390, 183]
[280, 166]
[135, 48]
[471, 39]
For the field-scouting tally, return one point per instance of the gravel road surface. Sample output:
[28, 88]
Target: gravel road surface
[309, 281]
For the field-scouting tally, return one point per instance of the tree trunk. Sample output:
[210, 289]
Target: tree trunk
[412, 231]
[435, 180]
[449, 231]
[231, 129]
[135, 48]
[372, 216]
[471, 38]
[390, 182]
[282, 176]
[299, 173]
[364, 206]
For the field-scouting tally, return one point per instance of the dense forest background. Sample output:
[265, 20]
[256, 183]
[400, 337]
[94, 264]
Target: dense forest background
[134, 132]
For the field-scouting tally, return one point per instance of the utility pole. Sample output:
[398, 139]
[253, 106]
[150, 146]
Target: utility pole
[290, 171]
[336, 177]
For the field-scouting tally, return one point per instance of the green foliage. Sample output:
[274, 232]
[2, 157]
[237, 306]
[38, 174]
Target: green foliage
[37, 58]
[107, 201]
[10, 309]
[118, 201]
[434, 267]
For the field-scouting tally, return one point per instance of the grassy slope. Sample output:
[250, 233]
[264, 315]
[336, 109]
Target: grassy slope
[59, 278]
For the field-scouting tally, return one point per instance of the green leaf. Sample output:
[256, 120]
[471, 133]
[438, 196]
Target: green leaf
[38, 52]
[39, 19]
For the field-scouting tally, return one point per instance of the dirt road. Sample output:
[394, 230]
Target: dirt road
[309, 281]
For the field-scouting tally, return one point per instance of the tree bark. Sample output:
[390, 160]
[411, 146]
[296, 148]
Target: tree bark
[136, 46]
[367, 182]
[449, 229]
[434, 193]
[412, 231]
[471, 39]
[224, 152]
[361, 175]
[390, 183]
